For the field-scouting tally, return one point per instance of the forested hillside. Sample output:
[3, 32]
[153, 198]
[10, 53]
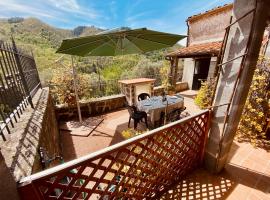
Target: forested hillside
[44, 39]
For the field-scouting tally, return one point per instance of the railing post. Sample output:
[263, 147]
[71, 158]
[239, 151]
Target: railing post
[17, 58]
[28, 191]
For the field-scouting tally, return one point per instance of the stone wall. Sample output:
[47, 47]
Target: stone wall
[92, 107]
[105, 104]
[180, 86]
[36, 128]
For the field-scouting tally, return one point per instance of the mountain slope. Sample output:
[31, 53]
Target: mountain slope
[44, 39]
[41, 38]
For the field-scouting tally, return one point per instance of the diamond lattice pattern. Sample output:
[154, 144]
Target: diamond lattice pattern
[142, 169]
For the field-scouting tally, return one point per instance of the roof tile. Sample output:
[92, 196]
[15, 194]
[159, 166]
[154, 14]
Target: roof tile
[205, 49]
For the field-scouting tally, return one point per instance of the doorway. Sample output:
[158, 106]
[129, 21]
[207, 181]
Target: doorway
[201, 69]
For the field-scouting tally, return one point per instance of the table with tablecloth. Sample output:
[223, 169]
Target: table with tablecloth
[155, 105]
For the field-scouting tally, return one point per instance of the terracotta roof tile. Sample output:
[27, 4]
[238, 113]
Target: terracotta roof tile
[205, 49]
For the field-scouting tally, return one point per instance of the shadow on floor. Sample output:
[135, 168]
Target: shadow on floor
[67, 146]
[250, 178]
[201, 185]
[204, 185]
[233, 151]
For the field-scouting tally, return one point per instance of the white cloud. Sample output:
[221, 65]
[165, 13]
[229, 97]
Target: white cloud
[7, 6]
[49, 9]
[136, 17]
[72, 6]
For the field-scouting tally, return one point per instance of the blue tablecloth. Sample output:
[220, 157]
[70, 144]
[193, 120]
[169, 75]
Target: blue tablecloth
[154, 105]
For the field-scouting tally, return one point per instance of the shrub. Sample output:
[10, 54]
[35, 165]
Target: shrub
[129, 133]
[205, 94]
[63, 86]
[252, 126]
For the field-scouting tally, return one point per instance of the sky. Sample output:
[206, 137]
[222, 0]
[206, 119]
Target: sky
[161, 15]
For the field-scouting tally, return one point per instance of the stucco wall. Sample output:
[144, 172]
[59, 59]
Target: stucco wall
[209, 28]
[188, 71]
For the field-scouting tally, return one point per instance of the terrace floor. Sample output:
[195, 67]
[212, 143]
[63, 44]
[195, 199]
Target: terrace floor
[246, 175]
[108, 132]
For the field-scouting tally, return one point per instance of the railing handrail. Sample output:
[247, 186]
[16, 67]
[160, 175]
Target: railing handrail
[108, 150]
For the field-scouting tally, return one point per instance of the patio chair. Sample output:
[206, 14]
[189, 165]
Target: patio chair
[137, 116]
[171, 116]
[143, 96]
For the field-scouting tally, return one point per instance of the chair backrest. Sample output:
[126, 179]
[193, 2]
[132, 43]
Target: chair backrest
[130, 110]
[143, 96]
[174, 115]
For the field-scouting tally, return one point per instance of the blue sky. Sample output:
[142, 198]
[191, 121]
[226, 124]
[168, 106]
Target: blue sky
[161, 15]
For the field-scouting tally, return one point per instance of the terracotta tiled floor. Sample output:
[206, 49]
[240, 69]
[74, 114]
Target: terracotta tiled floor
[246, 176]
[106, 134]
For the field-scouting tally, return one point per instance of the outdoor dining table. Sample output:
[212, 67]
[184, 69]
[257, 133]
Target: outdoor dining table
[155, 105]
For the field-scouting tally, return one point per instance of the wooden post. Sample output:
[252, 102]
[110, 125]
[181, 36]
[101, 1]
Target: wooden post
[173, 71]
[75, 88]
[170, 74]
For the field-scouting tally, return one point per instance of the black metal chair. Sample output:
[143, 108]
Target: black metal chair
[143, 96]
[172, 116]
[137, 116]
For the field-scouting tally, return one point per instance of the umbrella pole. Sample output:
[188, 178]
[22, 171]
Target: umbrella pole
[165, 118]
[75, 88]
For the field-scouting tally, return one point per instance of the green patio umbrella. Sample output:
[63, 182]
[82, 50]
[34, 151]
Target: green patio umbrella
[119, 42]
[114, 42]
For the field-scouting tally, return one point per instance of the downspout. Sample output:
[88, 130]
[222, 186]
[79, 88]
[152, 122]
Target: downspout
[188, 42]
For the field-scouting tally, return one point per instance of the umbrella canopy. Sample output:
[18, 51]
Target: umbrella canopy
[119, 42]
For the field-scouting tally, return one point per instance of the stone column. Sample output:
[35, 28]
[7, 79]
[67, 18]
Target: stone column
[242, 38]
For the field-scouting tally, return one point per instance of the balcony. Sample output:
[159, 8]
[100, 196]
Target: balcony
[143, 167]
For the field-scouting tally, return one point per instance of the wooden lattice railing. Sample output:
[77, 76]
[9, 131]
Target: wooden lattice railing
[142, 167]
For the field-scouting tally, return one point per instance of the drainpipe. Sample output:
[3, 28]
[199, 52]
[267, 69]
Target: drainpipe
[188, 42]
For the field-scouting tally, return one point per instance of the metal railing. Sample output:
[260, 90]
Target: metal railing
[143, 167]
[19, 81]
